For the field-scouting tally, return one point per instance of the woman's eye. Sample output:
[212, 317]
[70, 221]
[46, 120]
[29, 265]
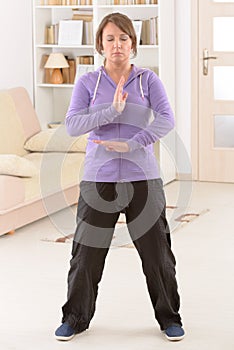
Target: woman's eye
[124, 37]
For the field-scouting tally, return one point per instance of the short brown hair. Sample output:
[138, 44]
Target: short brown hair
[124, 23]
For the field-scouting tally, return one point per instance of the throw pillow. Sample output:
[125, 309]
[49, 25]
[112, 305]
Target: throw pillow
[56, 140]
[12, 164]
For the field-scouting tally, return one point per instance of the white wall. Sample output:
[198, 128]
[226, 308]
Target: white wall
[16, 67]
[183, 81]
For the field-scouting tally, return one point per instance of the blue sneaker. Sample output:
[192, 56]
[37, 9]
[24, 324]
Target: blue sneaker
[174, 333]
[64, 332]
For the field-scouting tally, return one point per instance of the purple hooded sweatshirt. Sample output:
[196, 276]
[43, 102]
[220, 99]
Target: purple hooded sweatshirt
[146, 118]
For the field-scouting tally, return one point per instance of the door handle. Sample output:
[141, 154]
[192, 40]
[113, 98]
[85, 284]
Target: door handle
[206, 58]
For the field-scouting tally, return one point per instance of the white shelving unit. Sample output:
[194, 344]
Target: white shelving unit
[51, 101]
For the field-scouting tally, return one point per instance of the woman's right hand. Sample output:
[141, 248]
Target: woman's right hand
[120, 98]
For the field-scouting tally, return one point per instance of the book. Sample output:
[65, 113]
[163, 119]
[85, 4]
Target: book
[66, 75]
[52, 2]
[49, 35]
[82, 17]
[88, 33]
[137, 24]
[72, 70]
[82, 14]
[149, 32]
[70, 32]
[47, 72]
[56, 30]
[86, 16]
[84, 60]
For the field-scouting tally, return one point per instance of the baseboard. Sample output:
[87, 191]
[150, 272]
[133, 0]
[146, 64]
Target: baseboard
[184, 177]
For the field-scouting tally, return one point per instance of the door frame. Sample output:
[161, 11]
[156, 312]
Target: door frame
[195, 88]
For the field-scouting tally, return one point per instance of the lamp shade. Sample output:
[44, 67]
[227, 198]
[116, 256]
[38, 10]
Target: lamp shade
[56, 60]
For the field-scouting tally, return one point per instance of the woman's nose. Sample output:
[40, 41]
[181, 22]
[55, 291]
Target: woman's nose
[117, 43]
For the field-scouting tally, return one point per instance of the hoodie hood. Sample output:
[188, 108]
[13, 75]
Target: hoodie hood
[135, 72]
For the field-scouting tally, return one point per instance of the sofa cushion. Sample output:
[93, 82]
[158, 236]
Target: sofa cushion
[56, 140]
[12, 134]
[12, 192]
[11, 164]
[18, 120]
[58, 171]
[25, 111]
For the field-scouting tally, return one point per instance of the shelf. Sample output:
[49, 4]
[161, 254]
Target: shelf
[140, 47]
[65, 7]
[57, 86]
[47, 46]
[127, 6]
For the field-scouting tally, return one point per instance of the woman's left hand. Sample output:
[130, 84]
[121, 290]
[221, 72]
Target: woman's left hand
[117, 146]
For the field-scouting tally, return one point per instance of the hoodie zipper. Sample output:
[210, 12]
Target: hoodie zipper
[120, 160]
[125, 85]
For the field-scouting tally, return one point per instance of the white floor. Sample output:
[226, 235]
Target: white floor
[33, 283]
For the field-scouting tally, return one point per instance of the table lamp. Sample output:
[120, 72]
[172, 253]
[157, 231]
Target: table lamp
[56, 61]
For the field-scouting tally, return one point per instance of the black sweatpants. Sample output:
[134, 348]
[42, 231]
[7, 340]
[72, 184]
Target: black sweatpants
[99, 207]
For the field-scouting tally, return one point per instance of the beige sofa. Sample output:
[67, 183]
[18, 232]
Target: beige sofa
[40, 170]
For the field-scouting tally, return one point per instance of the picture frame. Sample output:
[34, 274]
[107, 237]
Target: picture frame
[70, 32]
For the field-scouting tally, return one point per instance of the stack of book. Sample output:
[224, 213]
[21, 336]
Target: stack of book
[77, 31]
[131, 2]
[149, 31]
[84, 64]
[87, 17]
[51, 34]
[90, 2]
[84, 60]
[65, 2]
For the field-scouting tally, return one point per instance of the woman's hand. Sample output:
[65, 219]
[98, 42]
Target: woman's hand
[119, 100]
[117, 146]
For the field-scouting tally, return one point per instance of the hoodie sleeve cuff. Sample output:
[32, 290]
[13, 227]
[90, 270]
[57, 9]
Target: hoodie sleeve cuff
[108, 115]
[133, 145]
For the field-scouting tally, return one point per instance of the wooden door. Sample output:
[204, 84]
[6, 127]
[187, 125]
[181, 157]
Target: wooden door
[216, 90]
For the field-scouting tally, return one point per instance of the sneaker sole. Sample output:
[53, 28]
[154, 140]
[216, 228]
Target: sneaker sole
[64, 338]
[175, 338]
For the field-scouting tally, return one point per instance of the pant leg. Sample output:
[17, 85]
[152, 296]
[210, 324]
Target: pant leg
[88, 254]
[150, 233]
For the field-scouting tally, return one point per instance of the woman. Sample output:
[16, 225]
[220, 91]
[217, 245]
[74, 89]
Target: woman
[125, 109]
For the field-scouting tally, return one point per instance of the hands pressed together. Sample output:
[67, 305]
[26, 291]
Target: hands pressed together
[119, 103]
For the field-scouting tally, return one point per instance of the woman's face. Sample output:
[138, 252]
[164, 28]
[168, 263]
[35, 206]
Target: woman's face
[116, 44]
